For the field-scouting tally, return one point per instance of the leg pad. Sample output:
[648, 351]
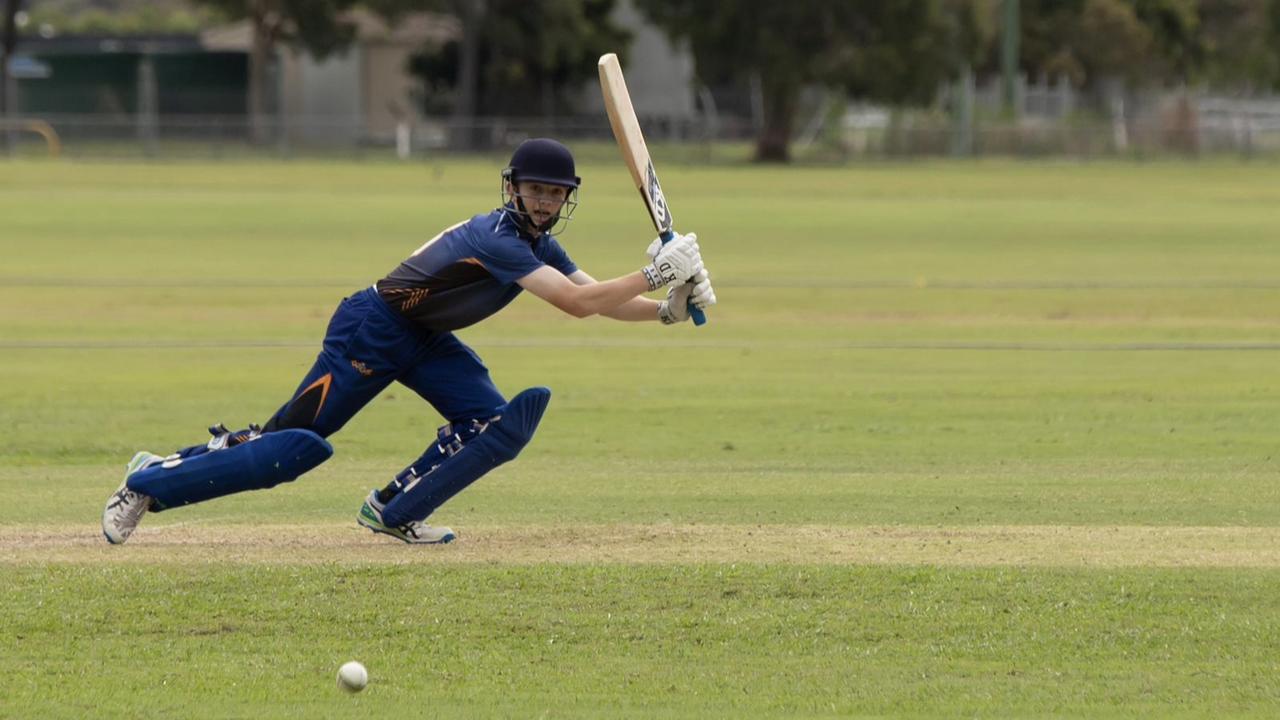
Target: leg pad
[503, 439]
[261, 463]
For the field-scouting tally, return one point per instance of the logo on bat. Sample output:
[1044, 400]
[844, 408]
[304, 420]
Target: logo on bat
[656, 199]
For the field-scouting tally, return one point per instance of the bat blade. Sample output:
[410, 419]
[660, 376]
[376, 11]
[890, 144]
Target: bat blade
[626, 129]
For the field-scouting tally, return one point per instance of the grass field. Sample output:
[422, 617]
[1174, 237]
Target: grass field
[961, 439]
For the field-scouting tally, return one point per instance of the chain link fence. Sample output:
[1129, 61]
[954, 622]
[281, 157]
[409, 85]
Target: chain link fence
[1213, 127]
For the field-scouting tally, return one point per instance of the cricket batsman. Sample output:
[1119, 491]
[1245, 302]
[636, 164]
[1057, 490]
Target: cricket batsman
[401, 330]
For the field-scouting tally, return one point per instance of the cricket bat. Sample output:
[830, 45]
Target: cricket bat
[626, 129]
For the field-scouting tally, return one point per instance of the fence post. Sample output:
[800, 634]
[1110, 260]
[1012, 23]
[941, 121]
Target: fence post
[1011, 31]
[403, 138]
[148, 104]
[962, 113]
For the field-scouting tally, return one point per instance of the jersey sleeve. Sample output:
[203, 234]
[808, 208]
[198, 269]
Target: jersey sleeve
[505, 257]
[556, 257]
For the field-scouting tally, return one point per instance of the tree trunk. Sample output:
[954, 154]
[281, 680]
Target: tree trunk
[8, 40]
[465, 133]
[780, 103]
[260, 47]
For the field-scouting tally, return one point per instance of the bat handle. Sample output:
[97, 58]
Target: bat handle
[699, 317]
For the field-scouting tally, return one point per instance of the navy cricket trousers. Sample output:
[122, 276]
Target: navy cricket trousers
[366, 348]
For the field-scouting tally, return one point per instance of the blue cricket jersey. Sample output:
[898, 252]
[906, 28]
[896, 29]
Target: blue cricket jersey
[469, 272]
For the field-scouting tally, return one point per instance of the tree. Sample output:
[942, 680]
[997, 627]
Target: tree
[514, 58]
[316, 25]
[1241, 42]
[8, 40]
[1139, 41]
[892, 52]
[120, 17]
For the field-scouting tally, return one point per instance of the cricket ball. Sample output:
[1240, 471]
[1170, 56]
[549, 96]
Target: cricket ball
[352, 677]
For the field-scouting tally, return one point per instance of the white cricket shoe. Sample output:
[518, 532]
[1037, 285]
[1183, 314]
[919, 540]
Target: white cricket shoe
[125, 507]
[415, 533]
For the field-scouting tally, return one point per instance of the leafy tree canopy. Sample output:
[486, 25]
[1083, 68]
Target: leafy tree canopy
[316, 25]
[1232, 43]
[891, 52]
[1087, 40]
[117, 17]
[533, 57]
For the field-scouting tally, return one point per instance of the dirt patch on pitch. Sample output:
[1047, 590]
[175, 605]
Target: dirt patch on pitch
[1032, 545]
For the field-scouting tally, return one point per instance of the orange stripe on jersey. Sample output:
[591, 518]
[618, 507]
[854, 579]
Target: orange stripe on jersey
[414, 298]
[323, 383]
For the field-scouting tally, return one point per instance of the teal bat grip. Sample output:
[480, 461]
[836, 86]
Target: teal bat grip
[699, 317]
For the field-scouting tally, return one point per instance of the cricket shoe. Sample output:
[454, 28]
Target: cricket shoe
[125, 507]
[416, 533]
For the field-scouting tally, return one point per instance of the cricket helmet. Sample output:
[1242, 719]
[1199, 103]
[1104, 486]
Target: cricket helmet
[542, 160]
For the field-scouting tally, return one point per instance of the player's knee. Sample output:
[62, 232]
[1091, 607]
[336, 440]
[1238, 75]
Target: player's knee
[517, 422]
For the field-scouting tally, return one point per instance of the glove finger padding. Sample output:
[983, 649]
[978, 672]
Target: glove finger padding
[676, 261]
[702, 295]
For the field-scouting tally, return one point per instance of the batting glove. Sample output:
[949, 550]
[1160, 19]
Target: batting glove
[675, 261]
[698, 292]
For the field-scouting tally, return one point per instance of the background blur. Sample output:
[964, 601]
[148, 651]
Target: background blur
[805, 80]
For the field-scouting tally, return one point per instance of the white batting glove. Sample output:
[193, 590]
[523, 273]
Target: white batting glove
[676, 261]
[698, 291]
[703, 295]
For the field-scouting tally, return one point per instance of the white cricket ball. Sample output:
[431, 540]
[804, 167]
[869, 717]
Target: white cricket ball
[352, 677]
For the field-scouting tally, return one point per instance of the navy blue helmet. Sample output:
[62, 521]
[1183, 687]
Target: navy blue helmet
[542, 160]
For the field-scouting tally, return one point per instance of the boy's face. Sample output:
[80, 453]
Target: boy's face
[541, 200]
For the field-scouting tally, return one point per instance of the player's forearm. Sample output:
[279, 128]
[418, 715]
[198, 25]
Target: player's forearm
[602, 298]
[637, 309]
